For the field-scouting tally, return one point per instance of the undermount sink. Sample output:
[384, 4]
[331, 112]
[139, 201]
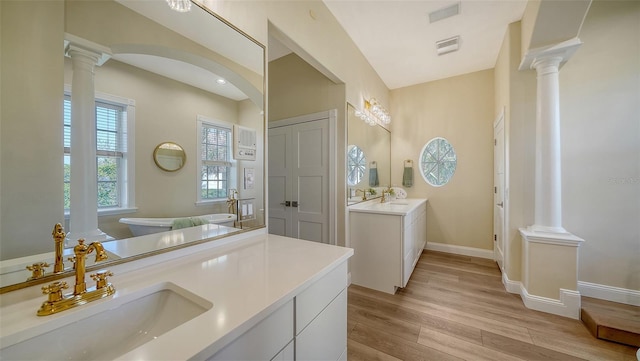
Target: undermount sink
[116, 330]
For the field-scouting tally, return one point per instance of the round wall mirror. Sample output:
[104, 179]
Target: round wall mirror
[356, 165]
[169, 156]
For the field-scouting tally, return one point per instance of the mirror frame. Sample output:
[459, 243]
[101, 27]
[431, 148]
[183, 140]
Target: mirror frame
[176, 146]
[70, 272]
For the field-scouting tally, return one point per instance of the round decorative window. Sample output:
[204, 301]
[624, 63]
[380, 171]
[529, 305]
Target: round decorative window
[356, 165]
[438, 162]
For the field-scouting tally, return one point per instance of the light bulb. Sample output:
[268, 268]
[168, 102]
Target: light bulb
[181, 6]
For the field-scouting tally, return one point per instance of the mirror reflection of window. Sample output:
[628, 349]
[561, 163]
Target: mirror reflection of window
[438, 162]
[356, 165]
[216, 167]
[112, 115]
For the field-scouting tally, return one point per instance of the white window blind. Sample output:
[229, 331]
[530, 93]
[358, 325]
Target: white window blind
[111, 150]
[215, 161]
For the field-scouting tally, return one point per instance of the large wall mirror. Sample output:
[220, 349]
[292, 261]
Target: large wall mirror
[188, 77]
[368, 158]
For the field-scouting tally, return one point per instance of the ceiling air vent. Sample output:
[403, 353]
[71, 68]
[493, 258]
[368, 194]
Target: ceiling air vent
[444, 13]
[448, 45]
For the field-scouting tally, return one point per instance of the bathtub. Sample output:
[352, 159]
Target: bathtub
[142, 226]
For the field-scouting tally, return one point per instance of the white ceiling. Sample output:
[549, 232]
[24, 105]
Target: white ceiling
[399, 42]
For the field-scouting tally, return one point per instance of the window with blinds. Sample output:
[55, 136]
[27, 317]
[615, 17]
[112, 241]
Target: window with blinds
[111, 146]
[215, 161]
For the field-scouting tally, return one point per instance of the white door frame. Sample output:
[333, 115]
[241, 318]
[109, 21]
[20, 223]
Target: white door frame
[501, 233]
[332, 115]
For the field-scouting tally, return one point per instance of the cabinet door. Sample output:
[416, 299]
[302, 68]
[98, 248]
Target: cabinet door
[325, 338]
[287, 353]
[408, 251]
[264, 340]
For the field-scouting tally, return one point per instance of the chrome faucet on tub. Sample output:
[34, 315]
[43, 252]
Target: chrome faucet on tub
[57, 302]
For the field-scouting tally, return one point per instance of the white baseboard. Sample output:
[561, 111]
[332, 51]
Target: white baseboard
[511, 286]
[568, 305]
[609, 293]
[461, 250]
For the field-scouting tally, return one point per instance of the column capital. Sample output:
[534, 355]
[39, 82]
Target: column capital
[74, 45]
[562, 51]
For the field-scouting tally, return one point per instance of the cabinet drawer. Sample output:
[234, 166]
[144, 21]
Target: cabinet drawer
[310, 302]
[264, 340]
[326, 337]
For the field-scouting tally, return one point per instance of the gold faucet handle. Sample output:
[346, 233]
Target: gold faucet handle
[54, 290]
[101, 278]
[37, 270]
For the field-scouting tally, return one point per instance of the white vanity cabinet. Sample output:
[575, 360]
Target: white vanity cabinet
[321, 318]
[388, 239]
[265, 341]
[310, 326]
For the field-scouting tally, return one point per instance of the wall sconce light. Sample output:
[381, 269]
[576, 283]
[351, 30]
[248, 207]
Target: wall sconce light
[374, 113]
[181, 6]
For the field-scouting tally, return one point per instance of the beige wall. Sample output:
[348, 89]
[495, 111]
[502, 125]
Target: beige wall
[459, 109]
[32, 31]
[296, 88]
[320, 37]
[515, 94]
[600, 112]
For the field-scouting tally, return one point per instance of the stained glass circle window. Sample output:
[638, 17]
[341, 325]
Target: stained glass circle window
[438, 162]
[356, 165]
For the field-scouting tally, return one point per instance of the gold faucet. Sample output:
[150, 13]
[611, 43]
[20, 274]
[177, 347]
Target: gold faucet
[231, 201]
[364, 193]
[57, 302]
[387, 191]
[58, 237]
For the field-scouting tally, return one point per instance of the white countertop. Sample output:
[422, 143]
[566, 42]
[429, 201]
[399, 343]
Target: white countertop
[246, 277]
[14, 270]
[398, 207]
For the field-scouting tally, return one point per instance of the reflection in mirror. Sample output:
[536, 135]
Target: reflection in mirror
[165, 71]
[169, 156]
[375, 143]
[356, 165]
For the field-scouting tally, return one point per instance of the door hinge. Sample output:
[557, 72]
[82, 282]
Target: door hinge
[495, 190]
[495, 237]
[495, 142]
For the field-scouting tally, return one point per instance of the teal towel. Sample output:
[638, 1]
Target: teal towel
[197, 221]
[407, 177]
[179, 223]
[373, 177]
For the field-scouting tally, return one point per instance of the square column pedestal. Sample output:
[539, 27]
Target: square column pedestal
[550, 272]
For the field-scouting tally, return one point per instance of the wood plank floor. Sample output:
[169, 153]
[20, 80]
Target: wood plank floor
[455, 308]
[612, 321]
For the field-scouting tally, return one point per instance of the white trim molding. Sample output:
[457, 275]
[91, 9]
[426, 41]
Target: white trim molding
[461, 250]
[609, 293]
[568, 305]
[563, 50]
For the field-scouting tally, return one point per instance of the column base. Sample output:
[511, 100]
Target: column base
[88, 236]
[550, 271]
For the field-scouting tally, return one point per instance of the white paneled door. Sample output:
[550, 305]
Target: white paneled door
[300, 166]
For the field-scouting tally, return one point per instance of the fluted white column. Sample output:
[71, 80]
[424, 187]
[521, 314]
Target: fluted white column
[548, 176]
[83, 217]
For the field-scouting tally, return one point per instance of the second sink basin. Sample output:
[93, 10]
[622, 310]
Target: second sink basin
[115, 331]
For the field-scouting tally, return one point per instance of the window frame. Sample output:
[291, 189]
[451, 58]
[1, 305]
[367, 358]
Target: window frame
[439, 161]
[203, 121]
[126, 181]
